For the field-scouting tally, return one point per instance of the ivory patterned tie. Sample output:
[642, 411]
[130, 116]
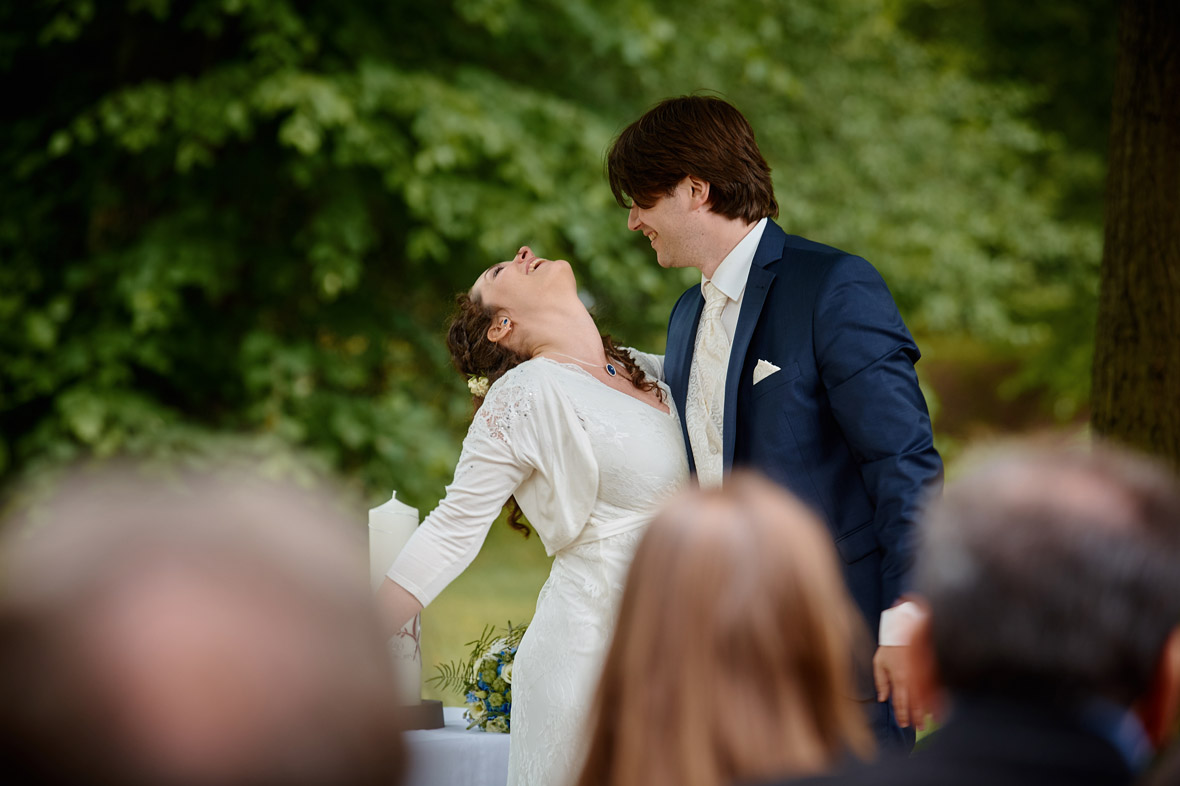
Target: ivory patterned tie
[705, 406]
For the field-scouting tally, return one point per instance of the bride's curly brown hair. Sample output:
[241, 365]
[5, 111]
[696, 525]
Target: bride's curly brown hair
[475, 356]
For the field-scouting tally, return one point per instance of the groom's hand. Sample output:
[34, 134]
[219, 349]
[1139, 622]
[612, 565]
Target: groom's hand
[891, 673]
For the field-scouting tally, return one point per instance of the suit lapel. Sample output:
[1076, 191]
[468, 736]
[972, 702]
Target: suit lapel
[682, 331]
[770, 249]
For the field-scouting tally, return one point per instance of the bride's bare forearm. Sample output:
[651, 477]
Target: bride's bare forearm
[395, 605]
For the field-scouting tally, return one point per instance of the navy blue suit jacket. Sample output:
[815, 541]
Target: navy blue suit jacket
[843, 424]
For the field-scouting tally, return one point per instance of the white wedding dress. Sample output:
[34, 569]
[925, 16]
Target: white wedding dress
[589, 466]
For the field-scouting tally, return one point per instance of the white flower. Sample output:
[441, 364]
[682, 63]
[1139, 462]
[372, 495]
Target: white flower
[506, 673]
[477, 712]
[478, 386]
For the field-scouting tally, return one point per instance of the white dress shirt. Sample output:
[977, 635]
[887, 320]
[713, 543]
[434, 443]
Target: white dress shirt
[731, 275]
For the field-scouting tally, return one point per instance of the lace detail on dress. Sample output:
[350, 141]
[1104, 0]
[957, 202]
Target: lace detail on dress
[507, 401]
[652, 365]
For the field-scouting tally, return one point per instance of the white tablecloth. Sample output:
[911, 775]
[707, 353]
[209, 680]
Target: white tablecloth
[454, 756]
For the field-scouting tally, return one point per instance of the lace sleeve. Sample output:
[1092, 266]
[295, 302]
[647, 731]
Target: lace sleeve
[652, 365]
[495, 460]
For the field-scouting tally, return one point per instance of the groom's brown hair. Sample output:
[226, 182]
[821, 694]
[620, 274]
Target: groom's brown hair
[701, 136]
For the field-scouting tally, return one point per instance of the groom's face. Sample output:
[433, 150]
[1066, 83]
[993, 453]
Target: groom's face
[669, 226]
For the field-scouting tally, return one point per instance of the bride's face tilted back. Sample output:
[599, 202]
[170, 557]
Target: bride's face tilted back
[533, 294]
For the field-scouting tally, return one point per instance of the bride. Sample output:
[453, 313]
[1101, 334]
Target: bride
[585, 438]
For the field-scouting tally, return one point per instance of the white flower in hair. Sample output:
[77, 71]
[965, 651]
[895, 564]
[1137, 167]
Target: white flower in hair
[478, 385]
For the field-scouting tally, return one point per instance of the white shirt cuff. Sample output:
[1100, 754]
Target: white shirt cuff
[897, 624]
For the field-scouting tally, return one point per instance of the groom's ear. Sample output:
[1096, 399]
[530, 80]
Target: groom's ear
[698, 192]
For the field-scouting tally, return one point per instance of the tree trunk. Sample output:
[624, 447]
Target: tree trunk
[1136, 395]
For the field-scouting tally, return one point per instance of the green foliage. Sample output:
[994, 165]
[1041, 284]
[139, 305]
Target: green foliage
[242, 221]
[458, 676]
[452, 676]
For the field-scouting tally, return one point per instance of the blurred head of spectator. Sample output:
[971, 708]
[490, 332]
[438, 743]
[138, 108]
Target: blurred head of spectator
[732, 658]
[191, 630]
[1052, 575]
[1051, 635]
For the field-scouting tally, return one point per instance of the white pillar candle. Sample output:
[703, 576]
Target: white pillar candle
[390, 528]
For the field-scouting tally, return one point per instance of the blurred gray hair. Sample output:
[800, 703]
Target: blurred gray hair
[1053, 571]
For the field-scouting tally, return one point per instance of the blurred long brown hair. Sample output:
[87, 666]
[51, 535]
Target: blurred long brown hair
[732, 658]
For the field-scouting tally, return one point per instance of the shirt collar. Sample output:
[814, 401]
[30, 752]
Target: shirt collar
[730, 276]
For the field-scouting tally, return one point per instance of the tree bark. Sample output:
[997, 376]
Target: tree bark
[1136, 392]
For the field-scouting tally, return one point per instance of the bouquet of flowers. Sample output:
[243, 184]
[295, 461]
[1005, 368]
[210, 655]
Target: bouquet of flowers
[485, 678]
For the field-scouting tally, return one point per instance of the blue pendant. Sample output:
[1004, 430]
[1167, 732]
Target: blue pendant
[610, 369]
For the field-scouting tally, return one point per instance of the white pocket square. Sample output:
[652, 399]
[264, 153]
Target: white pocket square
[763, 370]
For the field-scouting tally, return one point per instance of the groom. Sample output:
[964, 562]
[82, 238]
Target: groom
[790, 357]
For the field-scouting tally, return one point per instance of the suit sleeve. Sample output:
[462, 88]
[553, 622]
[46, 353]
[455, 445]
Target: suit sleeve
[866, 360]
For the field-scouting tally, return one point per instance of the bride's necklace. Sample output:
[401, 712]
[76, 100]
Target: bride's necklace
[610, 367]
